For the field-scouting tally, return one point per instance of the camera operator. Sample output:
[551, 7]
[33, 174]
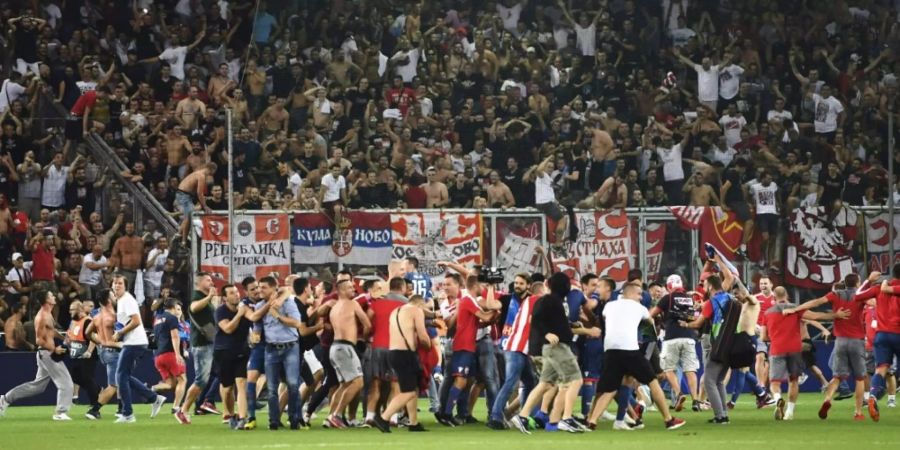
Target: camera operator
[679, 345]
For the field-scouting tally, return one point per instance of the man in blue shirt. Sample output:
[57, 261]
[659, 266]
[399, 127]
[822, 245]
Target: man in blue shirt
[281, 324]
[421, 283]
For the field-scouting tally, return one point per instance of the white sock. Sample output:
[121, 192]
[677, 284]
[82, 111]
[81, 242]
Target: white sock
[866, 396]
[619, 423]
[776, 396]
[370, 416]
[892, 398]
[394, 418]
[790, 408]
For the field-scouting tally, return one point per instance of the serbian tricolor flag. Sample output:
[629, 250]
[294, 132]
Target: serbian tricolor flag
[717, 227]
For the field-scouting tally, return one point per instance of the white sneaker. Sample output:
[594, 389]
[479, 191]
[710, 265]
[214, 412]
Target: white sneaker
[608, 416]
[126, 419]
[61, 417]
[568, 425]
[803, 378]
[892, 403]
[3, 405]
[621, 426]
[788, 416]
[157, 405]
[629, 420]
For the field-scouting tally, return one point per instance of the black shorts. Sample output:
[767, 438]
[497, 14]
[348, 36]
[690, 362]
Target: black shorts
[767, 223]
[74, 128]
[405, 365]
[652, 355]
[809, 353]
[741, 210]
[618, 363]
[552, 210]
[230, 365]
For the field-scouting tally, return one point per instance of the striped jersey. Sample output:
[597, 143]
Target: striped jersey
[521, 327]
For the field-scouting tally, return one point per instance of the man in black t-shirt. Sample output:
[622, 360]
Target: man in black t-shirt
[855, 184]
[831, 185]
[679, 346]
[733, 194]
[26, 29]
[230, 353]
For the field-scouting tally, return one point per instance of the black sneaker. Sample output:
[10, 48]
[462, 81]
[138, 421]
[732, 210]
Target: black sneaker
[844, 395]
[275, 426]
[92, 414]
[382, 424]
[695, 406]
[417, 428]
[466, 419]
[496, 425]
[719, 420]
[444, 419]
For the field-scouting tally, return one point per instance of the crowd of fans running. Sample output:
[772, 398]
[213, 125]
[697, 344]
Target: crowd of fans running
[758, 106]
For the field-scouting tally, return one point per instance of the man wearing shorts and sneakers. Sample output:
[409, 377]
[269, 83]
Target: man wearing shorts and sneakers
[887, 334]
[849, 342]
[230, 353]
[407, 333]
[622, 356]
[346, 318]
[766, 299]
[680, 344]
[168, 358]
[782, 328]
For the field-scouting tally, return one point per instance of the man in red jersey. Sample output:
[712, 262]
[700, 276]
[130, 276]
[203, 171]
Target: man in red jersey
[782, 328]
[379, 367]
[849, 344]
[766, 299]
[79, 124]
[467, 318]
[887, 333]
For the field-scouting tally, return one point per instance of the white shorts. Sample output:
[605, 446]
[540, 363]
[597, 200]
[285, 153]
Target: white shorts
[310, 358]
[681, 351]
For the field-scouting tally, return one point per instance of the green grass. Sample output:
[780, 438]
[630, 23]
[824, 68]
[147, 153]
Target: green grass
[32, 428]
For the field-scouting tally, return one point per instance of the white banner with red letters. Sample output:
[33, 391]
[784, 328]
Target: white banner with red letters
[603, 246]
[262, 247]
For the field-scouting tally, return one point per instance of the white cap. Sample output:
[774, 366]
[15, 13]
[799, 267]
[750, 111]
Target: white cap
[674, 282]
[16, 256]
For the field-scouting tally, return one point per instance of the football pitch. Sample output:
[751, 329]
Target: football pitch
[32, 428]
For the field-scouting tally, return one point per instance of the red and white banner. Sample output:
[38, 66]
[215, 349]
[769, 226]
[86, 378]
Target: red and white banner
[603, 246]
[516, 240]
[654, 241]
[878, 243]
[717, 227]
[262, 247]
[437, 236]
[819, 247]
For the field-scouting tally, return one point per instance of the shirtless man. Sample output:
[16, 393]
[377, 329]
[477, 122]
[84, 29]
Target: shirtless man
[191, 187]
[49, 363]
[15, 331]
[603, 149]
[401, 148]
[435, 191]
[407, 326]
[702, 194]
[498, 193]
[275, 118]
[346, 316]
[219, 85]
[190, 109]
[178, 147]
[613, 193]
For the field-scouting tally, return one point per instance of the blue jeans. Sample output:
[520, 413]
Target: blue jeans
[518, 367]
[288, 360]
[485, 351]
[203, 361]
[127, 359]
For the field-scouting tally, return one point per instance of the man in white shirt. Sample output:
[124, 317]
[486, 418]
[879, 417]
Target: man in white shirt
[545, 198]
[707, 79]
[732, 123]
[405, 61]
[765, 195]
[91, 275]
[333, 193]
[510, 14]
[134, 342]
[156, 262]
[673, 171]
[294, 181]
[55, 176]
[829, 113]
[176, 56]
[622, 356]
[11, 90]
[729, 77]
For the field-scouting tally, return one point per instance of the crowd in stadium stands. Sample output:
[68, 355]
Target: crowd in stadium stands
[758, 106]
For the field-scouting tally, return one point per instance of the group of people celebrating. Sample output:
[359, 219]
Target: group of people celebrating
[533, 349]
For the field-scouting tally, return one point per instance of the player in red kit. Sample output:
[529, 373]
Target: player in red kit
[887, 333]
[766, 299]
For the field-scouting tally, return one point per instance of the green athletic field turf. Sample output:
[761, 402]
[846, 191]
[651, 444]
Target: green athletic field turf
[32, 428]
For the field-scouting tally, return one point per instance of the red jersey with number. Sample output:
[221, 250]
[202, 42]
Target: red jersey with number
[887, 307]
[466, 324]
